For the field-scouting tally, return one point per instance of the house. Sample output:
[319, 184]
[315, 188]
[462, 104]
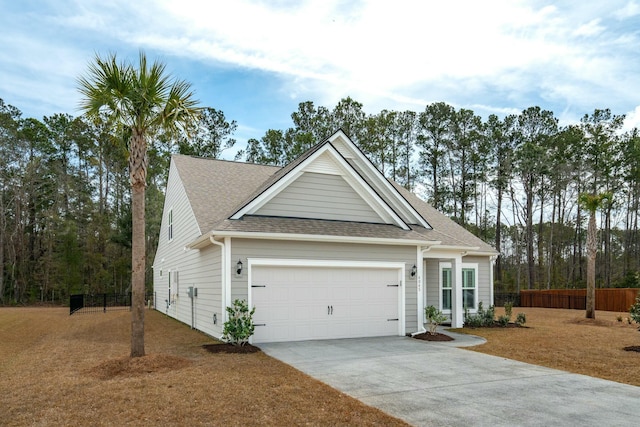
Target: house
[325, 247]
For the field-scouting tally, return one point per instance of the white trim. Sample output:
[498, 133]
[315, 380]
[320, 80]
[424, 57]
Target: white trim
[170, 225]
[227, 278]
[420, 289]
[379, 205]
[203, 240]
[223, 269]
[492, 261]
[463, 266]
[373, 171]
[284, 262]
[471, 266]
[441, 267]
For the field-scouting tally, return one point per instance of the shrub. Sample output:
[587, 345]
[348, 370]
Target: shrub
[619, 319]
[434, 317]
[521, 319]
[239, 328]
[503, 320]
[508, 309]
[634, 311]
[483, 318]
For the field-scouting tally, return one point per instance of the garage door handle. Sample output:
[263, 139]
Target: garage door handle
[329, 310]
[392, 320]
[259, 324]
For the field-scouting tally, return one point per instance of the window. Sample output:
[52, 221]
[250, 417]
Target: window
[446, 288]
[469, 286]
[170, 227]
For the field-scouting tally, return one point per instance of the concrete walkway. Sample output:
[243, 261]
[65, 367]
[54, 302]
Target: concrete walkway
[437, 384]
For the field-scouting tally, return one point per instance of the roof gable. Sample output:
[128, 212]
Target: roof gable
[323, 159]
[367, 170]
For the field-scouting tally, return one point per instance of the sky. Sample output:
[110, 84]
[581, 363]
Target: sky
[257, 60]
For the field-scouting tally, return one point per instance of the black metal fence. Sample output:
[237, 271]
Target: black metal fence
[95, 303]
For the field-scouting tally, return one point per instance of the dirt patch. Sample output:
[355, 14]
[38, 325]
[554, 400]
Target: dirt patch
[426, 336]
[230, 348]
[134, 366]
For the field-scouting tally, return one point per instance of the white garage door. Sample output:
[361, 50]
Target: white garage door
[295, 303]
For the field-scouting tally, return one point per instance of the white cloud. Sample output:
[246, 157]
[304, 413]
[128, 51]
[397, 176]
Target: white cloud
[632, 120]
[500, 56]
[630, 10]
[592, 28]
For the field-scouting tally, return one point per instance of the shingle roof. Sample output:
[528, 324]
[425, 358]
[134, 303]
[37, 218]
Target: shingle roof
[216, 189]
[268, 224]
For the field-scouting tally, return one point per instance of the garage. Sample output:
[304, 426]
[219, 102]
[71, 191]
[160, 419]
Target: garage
[309, 302]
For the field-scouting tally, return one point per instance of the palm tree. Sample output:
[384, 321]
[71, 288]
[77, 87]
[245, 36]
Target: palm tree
[139, 102]
[592, 202]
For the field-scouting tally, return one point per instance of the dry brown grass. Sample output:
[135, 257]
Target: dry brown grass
[57, 369]
[565, 339]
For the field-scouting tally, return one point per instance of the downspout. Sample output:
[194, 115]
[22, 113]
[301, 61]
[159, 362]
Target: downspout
[223, 275]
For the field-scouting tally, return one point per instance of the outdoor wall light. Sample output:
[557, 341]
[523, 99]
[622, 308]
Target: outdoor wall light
[414, 270]
[239, 268]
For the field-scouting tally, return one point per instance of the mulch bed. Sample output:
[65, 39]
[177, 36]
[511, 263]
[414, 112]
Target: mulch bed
[228, 348]
[633, 348]
[426, 336]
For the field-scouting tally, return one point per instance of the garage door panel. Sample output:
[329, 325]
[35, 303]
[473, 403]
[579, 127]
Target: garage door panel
[301, 303]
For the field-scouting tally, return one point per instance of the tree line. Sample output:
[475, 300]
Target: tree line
[65, 197]
[514, 181]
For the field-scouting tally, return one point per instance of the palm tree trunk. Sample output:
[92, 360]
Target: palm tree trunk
[138, 174]
[592, 247]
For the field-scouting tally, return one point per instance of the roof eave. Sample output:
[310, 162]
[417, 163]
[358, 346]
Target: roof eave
[204, 241]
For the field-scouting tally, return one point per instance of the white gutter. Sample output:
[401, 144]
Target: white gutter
[202, 240]
[223, 269]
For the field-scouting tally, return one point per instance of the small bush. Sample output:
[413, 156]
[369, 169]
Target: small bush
[619, 319]
[521, 319]
[434, 317]
[508, 309]
[503, 320]
[634, 311]
[483, 318]
[239, 328]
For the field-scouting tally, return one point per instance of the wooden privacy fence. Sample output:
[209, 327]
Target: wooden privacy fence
[608, 299]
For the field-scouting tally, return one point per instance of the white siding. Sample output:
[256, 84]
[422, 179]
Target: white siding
[321, 196]
[248, 248]
[198, 268]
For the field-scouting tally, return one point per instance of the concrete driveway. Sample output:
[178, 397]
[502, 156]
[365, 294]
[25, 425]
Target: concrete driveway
[437, 384]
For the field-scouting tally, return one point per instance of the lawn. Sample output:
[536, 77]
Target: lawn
[57, 369]
[565, 339]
